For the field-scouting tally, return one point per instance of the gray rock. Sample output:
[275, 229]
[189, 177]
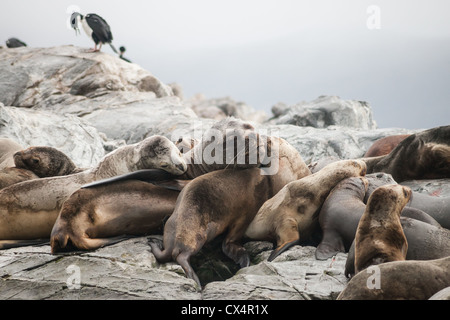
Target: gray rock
[444, 294]
[126, 270]
[221, 108]
[73, 136]
[295, 274]
[326, 111]
[314, 144]
[40, 77]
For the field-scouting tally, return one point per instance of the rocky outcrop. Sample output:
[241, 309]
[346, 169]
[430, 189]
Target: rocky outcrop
[326, 111]
[128, 270]
[42, 77]
[88, 104]
[76, 138]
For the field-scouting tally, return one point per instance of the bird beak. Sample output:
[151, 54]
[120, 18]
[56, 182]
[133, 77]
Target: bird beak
[76, 30]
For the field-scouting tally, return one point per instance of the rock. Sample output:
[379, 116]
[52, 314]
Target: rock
[295, 274]
[41, 77]
[434, 187]
[326, 111]
[126, 270]
[314, 144]
[71, 135]
[221, 108]
[8, 147]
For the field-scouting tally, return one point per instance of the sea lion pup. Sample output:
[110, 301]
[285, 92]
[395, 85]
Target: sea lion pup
[399, 280]
[211, 204]
[45, 162]
[425, 242]
[424, 155]
[95, 217]
[379, 237]
[37, 162]
[385, 145]
[291, 215]
[7, 149]
[29, 210]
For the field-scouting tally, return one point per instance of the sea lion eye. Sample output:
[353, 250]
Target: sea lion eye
[180, 140]
[35, 161]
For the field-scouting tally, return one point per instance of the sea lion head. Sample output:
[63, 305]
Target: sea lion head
[44, 161]
[159, 152]
[389, 198]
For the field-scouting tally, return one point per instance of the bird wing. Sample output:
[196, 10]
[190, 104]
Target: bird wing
[99, 27]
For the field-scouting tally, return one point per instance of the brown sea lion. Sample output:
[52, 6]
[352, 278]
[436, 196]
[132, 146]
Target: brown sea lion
[94, 217]
[37, 162]
[424, 155]
[344, 207]
[211, 204]
[385, 145]
[399, 280]
[291, 215]
[232, 144]
[29, 210]
[379, 237]
[45, 162]
[425, 242]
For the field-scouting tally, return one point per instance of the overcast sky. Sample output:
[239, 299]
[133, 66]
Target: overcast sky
[394, 54]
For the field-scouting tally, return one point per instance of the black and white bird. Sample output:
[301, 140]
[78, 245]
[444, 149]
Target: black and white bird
[95, 27]
[15, 43]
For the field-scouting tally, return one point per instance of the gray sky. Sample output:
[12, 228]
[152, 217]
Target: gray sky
[264, 51]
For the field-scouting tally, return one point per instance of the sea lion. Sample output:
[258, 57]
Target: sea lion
[405, 280]
[340, 215]
[13, 175]
[29, 210]
[425, 242]
[232, 144]
[344, 207]
[7, 149]
[94, 217]
[291, 215]
[37, 162]
[385, 145]
[211, 204]
[379, 237]
[424, 155]
[45, 162]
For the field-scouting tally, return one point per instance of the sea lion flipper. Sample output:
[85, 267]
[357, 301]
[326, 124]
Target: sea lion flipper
[148, 175]
[279, 250]
[236, 252]
[329, 247]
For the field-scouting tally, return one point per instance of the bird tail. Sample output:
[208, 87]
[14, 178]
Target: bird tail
[113, 48]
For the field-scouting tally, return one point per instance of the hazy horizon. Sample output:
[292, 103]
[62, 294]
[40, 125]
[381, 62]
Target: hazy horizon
[265, 52]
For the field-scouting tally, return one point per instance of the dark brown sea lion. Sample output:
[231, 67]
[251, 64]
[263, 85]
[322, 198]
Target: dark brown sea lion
[399, 280]
[424, 155]
[291, 215]
[211, 204]
[344, 207]
[29, 210]
[425, 242]
[45, 162]
[385, 145]
[379, 237]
